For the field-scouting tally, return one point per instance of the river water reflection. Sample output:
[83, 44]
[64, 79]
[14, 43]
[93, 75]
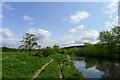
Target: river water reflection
[98, 68]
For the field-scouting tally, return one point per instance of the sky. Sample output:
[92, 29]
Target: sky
[62, 23]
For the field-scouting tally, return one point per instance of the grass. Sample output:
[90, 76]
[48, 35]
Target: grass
[58, 57]
[67, 72]
[21, 65]
[51, 71]
[0, 64]
[71, 72]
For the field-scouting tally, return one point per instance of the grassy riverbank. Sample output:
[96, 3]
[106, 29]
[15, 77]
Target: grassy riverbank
[21, 65]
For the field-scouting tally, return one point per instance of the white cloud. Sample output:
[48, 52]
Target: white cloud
[30, 23]
[44, 36]
[118, 21]
[111, 24]
[8, 38]
[7, 6]
[76, 29]
[6, 33]
[27, 18]
[111, 8]
[1, 16]
[41, 34]
[79, 16]
[90, 35]
[79, 39]
[11, 42]
[64, 19]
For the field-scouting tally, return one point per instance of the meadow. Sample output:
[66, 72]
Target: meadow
[21, 65]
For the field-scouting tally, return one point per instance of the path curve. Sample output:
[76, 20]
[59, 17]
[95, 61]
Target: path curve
[60, 73]
[39, 71]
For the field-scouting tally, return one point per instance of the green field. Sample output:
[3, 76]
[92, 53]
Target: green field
[51, 71]
[21, 65]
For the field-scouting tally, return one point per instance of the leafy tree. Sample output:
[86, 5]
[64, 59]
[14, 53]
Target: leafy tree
[116, 33]
[47, 51]
[7, 49]
[64, 51]
[101, 49]
[29, 42]
[56, 48]
[112, 39]
[89, 49]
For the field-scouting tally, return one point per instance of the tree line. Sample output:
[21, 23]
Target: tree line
[107, 47]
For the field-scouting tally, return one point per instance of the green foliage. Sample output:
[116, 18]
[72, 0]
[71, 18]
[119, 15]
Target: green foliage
[112, 39]
[51, 71]
[7, 49]
[64, 51]
[29, 42]
[101, 49]
[47, 51]
[19, 65]
[89, 49]
[58, 57]
[71, 72]
[56, 48]
[108, 47]
[67, 72]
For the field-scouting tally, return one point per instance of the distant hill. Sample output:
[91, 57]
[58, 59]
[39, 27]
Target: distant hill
[78, 46]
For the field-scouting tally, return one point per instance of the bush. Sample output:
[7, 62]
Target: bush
[38, 54]
[47, 51]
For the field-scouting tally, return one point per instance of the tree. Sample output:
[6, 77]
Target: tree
[56, 48]
[89, 49]
[29, 42]
[47, 51]
[116, 33]
[101, 49]
[112, 39]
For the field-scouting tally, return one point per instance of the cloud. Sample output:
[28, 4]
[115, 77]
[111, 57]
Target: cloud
[1, 17]
[30, 23]
[76, 29]
[27, 18]
[64, 19]
[8, 38]
[7, 6]
[44, 36]
[111, 8]
[111, 24]
[11, 42]
[41, 34]
[90, 36]
[6, 33]
[118, 20]
[79, 16]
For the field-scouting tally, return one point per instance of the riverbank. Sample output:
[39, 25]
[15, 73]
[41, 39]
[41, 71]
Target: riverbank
[21, 65]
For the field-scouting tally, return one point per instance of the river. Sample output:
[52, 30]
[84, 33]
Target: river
[98, 68]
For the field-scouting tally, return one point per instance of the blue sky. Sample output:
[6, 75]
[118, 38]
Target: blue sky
[64, 23]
